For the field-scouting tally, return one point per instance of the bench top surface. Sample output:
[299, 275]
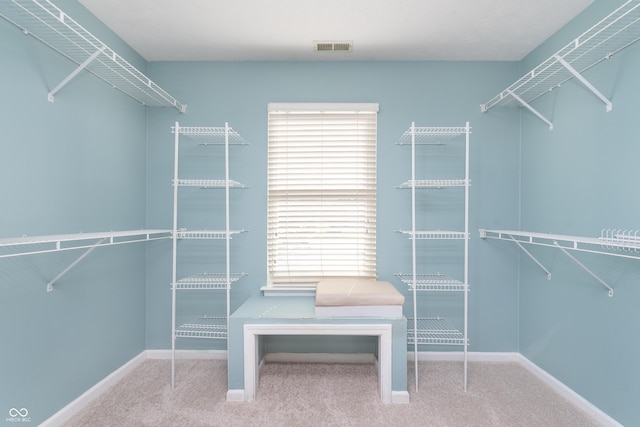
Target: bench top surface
[299, 308]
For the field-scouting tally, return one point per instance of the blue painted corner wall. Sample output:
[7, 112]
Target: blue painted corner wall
[577, 180]
[75, 165]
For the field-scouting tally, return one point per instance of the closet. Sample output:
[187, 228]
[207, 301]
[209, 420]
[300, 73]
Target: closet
[438, 152]
[201, 150]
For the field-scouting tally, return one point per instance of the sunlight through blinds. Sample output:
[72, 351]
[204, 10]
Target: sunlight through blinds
[321, 192]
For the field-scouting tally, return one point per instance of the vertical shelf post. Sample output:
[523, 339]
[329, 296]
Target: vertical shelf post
[413, 250]
[227, 221]
[466, 251]
[174, 274]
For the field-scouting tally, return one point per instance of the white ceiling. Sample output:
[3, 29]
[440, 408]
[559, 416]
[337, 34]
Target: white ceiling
[285, 30]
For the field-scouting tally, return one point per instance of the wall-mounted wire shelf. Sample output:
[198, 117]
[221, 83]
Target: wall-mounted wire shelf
[433, 183]
[211, 328]
[433, 331]
[206, 234]
[209, 183]
[437, 282]
[205, 281]
[47, 23]
[31, 245]
[434, 235]
[627, 241]
[620, 243]
[210, 135]
[616, 31]
[433, 135]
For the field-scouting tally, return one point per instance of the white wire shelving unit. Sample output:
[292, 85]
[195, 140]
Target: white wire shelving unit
[436, 330]
[613, 33]
[32, 245]
[53, 27]
[614, 242]
[206, 326]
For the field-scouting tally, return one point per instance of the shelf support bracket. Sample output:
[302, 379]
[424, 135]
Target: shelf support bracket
[577, 75]
[74, 73]
[530, 108]
[73, 264]
[531, 256]
[585, 268]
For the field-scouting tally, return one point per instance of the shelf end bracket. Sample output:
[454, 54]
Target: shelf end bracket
[577, 75]
[73, 264]
[585, 268]
[530, 108]
[74, 73]
[531, 256]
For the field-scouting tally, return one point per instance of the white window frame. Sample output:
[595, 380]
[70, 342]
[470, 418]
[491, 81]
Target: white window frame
[316, 110]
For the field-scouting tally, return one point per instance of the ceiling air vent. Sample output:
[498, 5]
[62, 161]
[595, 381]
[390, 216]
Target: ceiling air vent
[333, 46]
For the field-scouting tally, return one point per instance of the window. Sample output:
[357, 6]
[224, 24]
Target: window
[321, 192]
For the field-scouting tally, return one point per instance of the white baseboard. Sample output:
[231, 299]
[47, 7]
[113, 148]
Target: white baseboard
[320, 357]
[567, 392]
[235, 395]
[457, 356]
[83, 400]
[400, 397]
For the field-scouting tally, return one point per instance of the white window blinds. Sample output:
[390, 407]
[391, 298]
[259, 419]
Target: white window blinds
[321, 192]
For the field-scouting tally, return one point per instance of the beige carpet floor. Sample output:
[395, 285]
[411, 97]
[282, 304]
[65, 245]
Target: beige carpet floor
[307, 395]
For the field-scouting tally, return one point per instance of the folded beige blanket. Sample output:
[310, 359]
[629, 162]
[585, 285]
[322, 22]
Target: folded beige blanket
[356, 292]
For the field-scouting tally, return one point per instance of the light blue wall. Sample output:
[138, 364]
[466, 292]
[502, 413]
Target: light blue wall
[576, 180]
[95, 160]
[78, 164]
[430, 93]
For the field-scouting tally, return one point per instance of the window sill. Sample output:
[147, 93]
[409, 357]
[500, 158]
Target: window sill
[284, 291]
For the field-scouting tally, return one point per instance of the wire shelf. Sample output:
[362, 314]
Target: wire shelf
[434, 235]
[433, 183]
[29, 245]
[618, 30]
[432, 282]
[619, 243]
[209, 183]
[620, 240]
[204, 281]
[212, 328]
[210, 135]
[434, 331]
[439, 135]
[610, 239]
[47, 23]
[205, 234]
